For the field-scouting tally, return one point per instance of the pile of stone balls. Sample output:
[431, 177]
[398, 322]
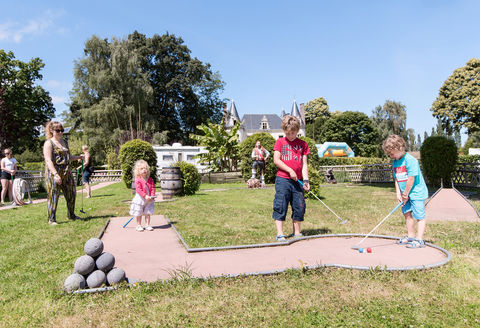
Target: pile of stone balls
[94, 269]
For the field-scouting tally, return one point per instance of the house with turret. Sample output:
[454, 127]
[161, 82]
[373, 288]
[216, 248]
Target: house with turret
[255, 123]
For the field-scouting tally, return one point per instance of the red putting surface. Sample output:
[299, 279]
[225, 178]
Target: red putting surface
[153, 255]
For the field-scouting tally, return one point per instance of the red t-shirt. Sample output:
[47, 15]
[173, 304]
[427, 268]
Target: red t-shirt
[291, 153]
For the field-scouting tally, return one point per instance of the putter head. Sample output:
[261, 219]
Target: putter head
[355, 247]
[81, 211]
[344, 221]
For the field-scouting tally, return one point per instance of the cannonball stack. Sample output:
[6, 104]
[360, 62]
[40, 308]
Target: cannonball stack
[94, 269]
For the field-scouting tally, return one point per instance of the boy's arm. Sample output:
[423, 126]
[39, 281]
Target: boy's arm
[306, 184]
[282, 166]
[399, 193]
[408, 188]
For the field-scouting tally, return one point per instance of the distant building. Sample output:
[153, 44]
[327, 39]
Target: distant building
[255, 123]
[168, 155]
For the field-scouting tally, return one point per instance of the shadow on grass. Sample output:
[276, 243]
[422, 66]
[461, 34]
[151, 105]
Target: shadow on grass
[313, 232]
[88, 218]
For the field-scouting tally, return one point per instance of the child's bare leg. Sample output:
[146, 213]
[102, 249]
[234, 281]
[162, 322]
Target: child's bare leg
[147, 220]
[139, 220]
[410, 223]
[297, 227]
[421, 226]
[279, 226]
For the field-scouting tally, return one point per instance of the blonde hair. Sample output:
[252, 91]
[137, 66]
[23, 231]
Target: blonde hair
[290, 123]
[394, 142]
[138, 166]
[84, 147]
[50, 126]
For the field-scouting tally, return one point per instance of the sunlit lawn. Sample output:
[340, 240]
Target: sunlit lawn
[35, 258]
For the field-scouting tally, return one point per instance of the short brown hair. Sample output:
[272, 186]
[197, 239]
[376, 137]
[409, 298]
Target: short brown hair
[394, 142]
[290, 123]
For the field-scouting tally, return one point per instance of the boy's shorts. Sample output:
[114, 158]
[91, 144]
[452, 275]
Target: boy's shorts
[287, 192]
[417, 207]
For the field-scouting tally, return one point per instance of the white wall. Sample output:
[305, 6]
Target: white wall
[168, 155]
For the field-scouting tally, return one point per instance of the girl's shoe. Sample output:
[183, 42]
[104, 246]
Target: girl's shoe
[139, 228]
[280, 238]
[149, 228]
[52, 223]
[416, 243]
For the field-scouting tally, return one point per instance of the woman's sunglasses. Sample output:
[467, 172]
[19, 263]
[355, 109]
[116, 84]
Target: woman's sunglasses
[58, 130]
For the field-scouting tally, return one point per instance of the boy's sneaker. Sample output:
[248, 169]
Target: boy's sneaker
[52, 223]
[149, 228]
[416, 243]
[280, 238]
[139, 228]
[405, 240]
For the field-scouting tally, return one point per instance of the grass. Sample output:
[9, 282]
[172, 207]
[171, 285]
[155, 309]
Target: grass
[36, 258]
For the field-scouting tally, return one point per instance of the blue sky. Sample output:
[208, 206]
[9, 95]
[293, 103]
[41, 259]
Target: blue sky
[355, 54]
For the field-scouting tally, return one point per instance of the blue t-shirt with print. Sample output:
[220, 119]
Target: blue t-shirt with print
[408, 166]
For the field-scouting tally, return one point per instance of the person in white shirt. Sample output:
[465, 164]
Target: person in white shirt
[9, 169]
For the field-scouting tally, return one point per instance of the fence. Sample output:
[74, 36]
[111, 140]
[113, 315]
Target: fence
[465, 174]
[35, 178]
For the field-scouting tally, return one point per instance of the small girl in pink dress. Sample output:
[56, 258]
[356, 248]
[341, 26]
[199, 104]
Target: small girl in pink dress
[143, 201]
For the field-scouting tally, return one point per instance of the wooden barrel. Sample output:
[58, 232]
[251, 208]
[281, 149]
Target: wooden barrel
[170, 181]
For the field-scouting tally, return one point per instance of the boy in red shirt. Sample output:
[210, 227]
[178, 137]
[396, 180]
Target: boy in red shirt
[290, 157]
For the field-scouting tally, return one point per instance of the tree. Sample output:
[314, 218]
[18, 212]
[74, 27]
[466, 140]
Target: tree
[222, 146]
[24, 106]
[458, 101]
[354, 128]
[391, 118]
[439, 157]
[316, 108]
[137, 87]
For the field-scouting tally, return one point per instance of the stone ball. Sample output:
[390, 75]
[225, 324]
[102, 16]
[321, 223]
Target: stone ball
[96, 279]
[105, 262]
[115, 276]
[84, 265]
[93, 247]
[73, 282]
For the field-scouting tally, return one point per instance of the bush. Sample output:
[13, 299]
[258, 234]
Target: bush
[315, 181]
[246, 148]
[132, 151]
[32, 166]
[29, 156]
[313, 157]
[113, 161]
[190, 177]
[439, 157]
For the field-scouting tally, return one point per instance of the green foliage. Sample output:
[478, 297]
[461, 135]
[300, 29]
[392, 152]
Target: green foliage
[32, 166]
[354, 128]
[190, 177]
[29, 156]
[222, 146]
[245, 155]
[315, 179]
[458, 104]
[24, 106]
[113, 161]
[439, 157]
[316, 108]
[332, 161]
[468, 159]
[132, 151]
[137, 87]
[313, 157]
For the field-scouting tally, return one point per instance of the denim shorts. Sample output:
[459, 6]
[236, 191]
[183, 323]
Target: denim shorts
[86, 176]
[417, 207]
[287, 192]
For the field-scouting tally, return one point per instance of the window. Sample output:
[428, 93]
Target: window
[167, 157]
[264, 126]
[190, 157]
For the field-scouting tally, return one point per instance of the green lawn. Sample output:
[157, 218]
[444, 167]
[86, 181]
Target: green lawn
[35, 258]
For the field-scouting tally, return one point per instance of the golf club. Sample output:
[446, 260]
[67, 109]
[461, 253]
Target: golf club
[128, 222]
[361, 241]
[341, 221]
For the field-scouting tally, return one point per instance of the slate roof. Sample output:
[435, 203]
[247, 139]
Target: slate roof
[253, 121]
[232, 115]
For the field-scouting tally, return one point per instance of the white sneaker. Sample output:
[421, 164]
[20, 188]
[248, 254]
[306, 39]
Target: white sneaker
[149, 228]
[139, 228]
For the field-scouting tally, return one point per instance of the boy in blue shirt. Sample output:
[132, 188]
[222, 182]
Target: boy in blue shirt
[411, 189]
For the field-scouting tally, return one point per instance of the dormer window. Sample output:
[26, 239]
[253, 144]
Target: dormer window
[264, 123]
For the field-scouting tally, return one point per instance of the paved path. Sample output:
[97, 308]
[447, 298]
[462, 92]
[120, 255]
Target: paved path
[158, 254]
[42, 200]
[449, 205]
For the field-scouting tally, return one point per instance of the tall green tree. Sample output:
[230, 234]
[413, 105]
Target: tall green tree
[391, 118]
[138, 87]
[458, 101]
[24, 106]
[316, 108]
[354, 128]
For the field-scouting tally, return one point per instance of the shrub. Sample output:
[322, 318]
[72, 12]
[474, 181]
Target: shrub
[246, 148]
[439, 157]
[190, 177]
[32, 166]
[113, 161]
[29, 156]
[132, 151]
[313, 158]
[315, 180]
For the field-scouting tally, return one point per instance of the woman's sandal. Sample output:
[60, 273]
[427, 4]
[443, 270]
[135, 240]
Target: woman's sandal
[405, 240]
[416, 243]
